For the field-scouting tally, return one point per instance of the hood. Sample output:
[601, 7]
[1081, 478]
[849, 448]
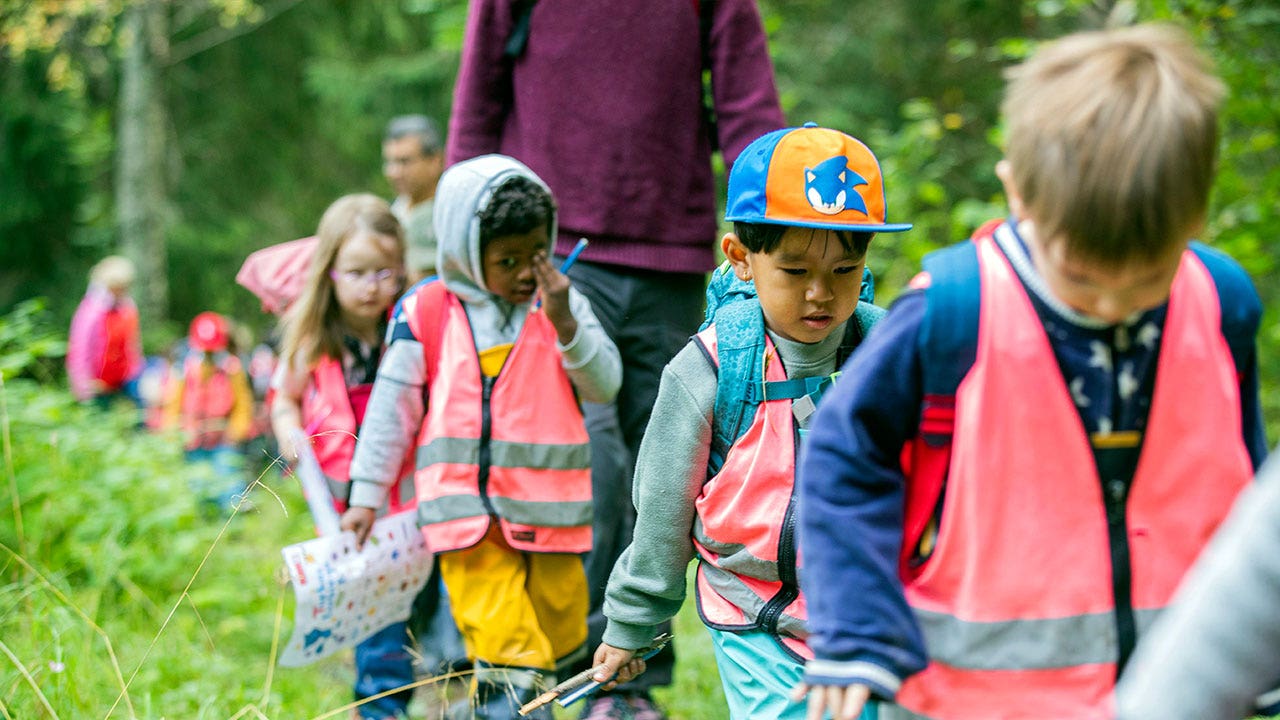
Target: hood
[464, 190]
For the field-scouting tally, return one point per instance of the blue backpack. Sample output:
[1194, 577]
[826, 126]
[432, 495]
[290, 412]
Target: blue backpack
[740, 337]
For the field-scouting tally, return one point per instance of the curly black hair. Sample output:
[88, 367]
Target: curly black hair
[518, 205]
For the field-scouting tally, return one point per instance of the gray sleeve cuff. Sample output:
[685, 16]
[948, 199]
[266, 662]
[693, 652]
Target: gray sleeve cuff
[882, 682]
[367, 494]
[628, 636]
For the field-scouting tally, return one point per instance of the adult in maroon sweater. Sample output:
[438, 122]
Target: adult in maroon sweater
[604, 102]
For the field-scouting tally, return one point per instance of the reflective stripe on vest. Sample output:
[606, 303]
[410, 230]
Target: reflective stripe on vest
[514, 446]
[744, 533]
[1016, 602]
[207, 399]
[331, 425]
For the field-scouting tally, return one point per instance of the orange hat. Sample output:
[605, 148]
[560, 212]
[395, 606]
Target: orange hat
[208, 332]
[809, 177]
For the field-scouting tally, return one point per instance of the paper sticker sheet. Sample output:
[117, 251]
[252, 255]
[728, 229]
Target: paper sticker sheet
[345, 595]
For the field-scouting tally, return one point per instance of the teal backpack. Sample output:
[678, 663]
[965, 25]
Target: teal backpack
[740, 339]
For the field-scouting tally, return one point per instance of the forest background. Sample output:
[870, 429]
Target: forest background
[188, 133]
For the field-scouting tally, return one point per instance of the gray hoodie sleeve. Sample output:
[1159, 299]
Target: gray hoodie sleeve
[647, 585]
[391, 423]
[591, 359]
[1218, 645]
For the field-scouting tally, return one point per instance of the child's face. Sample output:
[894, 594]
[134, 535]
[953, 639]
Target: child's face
[1110, 294]
[808, 286]
[366, 276]
[508, 265]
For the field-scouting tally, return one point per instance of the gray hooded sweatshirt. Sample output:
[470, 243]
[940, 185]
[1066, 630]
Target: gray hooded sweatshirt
[396, 405]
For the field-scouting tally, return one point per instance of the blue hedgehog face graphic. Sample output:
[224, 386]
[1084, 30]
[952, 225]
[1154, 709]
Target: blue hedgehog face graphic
[829, 187]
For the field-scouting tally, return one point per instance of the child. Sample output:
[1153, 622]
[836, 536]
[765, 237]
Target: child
[503, 479]
[104, 350]
[716, 468]
[332, 337]
[1038, 441]
[209, 399]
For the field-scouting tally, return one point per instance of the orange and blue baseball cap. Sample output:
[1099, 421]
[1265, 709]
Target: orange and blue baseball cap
[809, 177]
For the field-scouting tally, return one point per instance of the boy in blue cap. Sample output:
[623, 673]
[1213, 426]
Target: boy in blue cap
[715, 471]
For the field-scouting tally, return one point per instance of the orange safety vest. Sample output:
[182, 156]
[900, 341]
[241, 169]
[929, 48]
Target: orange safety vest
[744, 532]
[331, 424]
[207, 400]
[512, 446]
[1016, 602]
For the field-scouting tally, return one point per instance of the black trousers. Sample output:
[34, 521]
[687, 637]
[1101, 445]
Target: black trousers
[649, 315]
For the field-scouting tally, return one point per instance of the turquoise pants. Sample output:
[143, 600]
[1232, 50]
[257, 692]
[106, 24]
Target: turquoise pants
[758, 677]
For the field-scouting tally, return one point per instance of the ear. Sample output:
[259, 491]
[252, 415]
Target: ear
[1004, 171]
[736, 253]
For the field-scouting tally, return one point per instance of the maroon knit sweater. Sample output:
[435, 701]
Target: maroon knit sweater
[605, 105]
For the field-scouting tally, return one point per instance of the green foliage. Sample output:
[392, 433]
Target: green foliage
[30, 345]
[110, 577]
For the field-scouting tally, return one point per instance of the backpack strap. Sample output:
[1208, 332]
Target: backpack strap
[950, 326]
[739, 361]
[425, 311]
[706, 15]
[518, 39]
[948, 343]
[739, 365]
[1240, 305]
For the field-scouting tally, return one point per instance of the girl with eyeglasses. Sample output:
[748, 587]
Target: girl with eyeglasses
[332, 340]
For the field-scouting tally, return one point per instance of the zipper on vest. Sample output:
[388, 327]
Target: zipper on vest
[1115, 492]
[486, 429]
[790, 589]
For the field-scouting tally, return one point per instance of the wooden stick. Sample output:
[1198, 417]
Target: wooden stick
[558, 690]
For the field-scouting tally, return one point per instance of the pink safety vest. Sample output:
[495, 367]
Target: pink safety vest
[1016, 602]
[744, 527]
[331, 423]
[512, 447]
[207, 401]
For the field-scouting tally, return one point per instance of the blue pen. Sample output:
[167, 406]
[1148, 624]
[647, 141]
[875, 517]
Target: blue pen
[573, 254]
[564, 266]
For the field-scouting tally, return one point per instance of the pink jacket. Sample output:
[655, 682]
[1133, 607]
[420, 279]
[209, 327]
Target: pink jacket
[87, 342]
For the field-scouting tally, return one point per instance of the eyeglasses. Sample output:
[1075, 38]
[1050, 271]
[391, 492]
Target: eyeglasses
[366, 277]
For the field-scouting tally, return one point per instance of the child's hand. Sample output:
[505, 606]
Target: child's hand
[360, 521]
[843, 701]
[615, 665]
[553, 285]
[286, 446]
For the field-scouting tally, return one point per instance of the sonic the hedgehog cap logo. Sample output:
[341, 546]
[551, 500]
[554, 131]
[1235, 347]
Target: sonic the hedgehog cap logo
[809, 177]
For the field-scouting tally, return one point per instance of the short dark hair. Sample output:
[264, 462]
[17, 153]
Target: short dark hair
[419, 126]
[518, 205]
[766, 237]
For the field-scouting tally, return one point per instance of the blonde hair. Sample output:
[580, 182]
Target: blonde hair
[113, 272]
[313, 328]
[1111, 137]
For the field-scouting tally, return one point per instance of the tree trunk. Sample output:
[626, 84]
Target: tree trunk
[141, 199]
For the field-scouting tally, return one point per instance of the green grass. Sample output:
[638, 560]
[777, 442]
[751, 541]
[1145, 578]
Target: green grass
[119, 599]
